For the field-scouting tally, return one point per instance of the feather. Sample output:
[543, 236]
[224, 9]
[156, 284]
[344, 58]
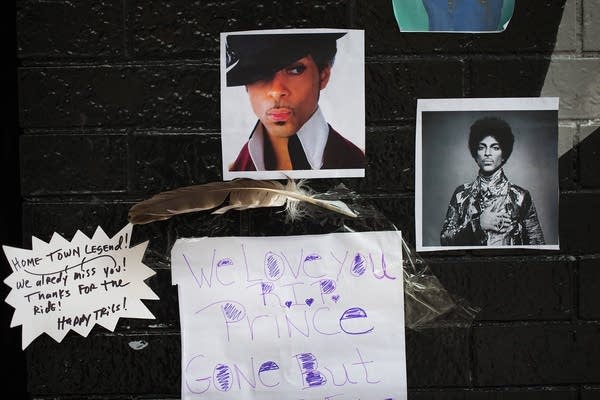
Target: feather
[243, 194]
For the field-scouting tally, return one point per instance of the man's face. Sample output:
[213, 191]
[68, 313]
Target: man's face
[489, 155]
[284, 102]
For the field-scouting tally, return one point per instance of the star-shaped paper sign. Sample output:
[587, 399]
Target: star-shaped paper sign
[72, 285]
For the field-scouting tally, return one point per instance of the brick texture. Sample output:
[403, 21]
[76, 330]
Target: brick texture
[84, 97]
[566, 39]
[87, 163]
[589, 157]
[525, 74]
[589, 297]
[548, 393]
[509, 289]
[69, 30]
[590, 393]
[190, 29]
[591, 30]
[567, 168]
[392, 89]
[443, 353]
[536, 354]
[65, 217]
[97, 364]
[576, 82]
[166, 161]
[579, 223]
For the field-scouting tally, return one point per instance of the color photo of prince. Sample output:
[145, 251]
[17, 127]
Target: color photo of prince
[292, 104]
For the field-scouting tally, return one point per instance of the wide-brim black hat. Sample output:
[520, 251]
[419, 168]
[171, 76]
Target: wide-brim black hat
[252, 57]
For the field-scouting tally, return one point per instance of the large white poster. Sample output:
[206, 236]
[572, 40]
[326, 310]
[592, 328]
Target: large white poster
[294, 317]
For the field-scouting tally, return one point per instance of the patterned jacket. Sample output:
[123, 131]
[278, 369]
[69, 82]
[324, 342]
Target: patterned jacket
[461, 226]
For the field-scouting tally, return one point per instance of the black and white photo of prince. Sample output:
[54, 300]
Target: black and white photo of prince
[491, 211]
[487, 177]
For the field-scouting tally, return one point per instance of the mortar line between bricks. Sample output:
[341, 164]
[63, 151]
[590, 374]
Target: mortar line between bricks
[579, 26]
[112, 396]
[494, 388]
[129, 163]
[174, 331]
[575, 285]
[581, 191]
[591, 385]
[572, 55]
[467, 78]
[109, 396]
[183, 130]
[214, 63]
[118, 63]
[121, 131]
[461, 57]
[441, 259]
[117, 195]
[383, 126]
[536, 323]
[576, 156]
[126, 51]
[473, 356]
[350, 13]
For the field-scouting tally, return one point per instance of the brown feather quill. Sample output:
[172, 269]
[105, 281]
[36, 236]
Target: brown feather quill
[243, 194]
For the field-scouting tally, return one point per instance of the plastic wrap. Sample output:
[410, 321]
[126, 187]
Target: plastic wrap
[427, 302]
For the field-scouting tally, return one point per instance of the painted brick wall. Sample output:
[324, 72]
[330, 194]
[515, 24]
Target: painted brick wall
[119, 99]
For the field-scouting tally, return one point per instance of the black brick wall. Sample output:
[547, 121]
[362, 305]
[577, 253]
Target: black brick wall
[119, 99]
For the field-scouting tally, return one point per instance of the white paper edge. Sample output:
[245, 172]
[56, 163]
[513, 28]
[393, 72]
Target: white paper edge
[322, 173]
[468, 104]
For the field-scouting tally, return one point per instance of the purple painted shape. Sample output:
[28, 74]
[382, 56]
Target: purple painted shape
[311, 376]
[232, 312]
[268, 366]
[266, 287]
[359, 265]
[225, 262]
[312, 257]
[327, 286]
[223, 377]
[274, 270]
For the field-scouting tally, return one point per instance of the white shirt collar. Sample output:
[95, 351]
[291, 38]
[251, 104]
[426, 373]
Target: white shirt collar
[312, 135]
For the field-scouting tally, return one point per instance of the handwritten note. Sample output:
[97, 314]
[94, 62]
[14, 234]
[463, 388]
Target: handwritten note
[295, 317]
[73, 285]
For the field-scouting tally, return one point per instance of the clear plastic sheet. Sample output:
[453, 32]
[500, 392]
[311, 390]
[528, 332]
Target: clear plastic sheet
[427, 303]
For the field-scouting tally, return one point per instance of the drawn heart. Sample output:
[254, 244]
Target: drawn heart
[288, 304]
[309, 301]
[335, 297]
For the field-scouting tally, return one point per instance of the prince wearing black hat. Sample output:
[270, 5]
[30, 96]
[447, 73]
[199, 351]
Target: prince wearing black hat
[284, 75]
